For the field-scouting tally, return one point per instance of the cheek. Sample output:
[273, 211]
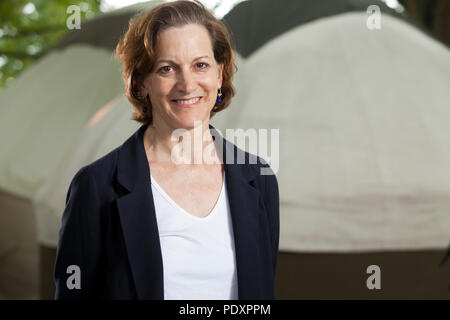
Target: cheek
[211, 86]
[160, 88]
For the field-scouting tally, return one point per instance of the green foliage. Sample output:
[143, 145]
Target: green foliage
[30, 27]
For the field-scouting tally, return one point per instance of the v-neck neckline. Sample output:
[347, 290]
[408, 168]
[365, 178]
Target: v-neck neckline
[184, 211]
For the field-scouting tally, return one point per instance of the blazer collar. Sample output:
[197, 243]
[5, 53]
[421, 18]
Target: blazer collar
[140, 228]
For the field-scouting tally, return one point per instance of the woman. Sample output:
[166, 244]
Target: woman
[144, 222]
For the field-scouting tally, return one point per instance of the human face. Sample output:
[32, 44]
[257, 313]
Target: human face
[184, 81]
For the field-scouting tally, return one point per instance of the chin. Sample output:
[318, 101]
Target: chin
[189, 121]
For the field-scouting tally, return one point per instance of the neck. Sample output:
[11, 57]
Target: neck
[166, 144]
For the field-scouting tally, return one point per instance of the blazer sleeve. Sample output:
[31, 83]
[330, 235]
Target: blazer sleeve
[272, 204]
[79, 242]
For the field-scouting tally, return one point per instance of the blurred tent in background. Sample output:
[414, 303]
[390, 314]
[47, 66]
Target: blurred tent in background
[46, 108]
[363, 135]
[363, 141]
[255, 22]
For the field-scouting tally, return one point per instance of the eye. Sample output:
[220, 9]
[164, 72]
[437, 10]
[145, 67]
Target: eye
[165, 69]
[202, 65]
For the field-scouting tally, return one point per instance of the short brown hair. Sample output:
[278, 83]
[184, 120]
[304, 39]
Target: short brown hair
[136, 49]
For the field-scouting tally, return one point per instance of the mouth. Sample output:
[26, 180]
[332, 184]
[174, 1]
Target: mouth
[187, 103]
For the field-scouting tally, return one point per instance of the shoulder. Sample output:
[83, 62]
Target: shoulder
[98, 173]
[105, 165]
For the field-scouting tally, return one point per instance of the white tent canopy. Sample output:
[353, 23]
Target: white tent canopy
[43, 111]
[364, 139]
[363, 142]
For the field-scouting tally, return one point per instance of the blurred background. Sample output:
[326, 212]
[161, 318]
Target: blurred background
[359, 93]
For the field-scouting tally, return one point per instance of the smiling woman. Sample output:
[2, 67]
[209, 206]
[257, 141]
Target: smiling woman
[139, 225]
[161, 43]
[185, 77]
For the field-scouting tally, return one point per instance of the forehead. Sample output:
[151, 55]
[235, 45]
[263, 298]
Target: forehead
[183, 41]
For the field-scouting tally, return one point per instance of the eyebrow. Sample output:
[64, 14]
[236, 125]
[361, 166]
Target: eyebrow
[173, 62]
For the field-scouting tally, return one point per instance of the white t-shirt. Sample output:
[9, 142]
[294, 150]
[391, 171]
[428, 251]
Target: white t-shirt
[198, 253]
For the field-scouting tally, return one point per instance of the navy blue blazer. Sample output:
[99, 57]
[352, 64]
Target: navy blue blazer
[109, 227]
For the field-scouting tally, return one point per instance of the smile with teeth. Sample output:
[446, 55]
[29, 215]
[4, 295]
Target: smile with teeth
[190, 101]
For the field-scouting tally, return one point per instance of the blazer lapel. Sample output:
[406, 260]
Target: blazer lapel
[140, 229]
[246, 208]
[138, 219]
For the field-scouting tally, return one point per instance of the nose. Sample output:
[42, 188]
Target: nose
[186, 81]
